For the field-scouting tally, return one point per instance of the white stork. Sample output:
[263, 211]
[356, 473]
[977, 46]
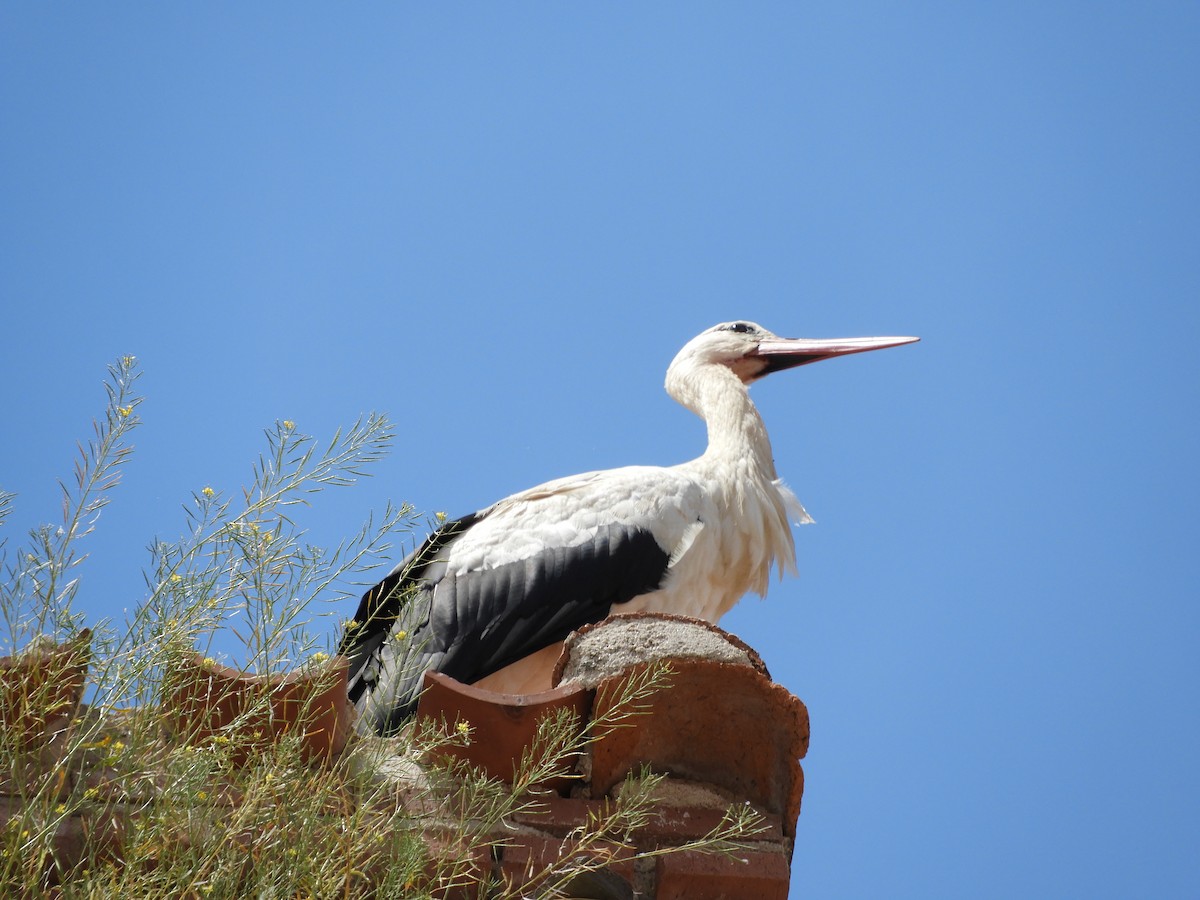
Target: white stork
[488, 598]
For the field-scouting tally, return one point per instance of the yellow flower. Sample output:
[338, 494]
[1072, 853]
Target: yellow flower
[201, 795]
[207, 491]
[209, 661]
[124, 411]
[61, 808]
[288, 425]
[91, 794]
[176, 578]
[320, 657]
[401, 635]
[464, 727]
[441, 516]
[128, 361]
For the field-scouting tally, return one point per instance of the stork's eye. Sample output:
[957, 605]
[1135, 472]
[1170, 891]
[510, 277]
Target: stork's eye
[741, 328]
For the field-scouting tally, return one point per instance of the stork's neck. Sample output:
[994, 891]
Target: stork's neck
[735, 429]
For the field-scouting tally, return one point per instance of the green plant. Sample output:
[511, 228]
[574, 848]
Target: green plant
[37, 594]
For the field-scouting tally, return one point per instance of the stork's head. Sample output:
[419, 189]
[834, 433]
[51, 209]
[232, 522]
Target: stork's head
[750, 351]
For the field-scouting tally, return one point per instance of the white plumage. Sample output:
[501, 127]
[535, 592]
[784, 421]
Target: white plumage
[487, 598]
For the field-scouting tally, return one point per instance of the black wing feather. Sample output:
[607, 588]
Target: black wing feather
[381, 605]
[472, 624]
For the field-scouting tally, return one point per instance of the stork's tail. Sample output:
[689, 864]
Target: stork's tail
[796, 512]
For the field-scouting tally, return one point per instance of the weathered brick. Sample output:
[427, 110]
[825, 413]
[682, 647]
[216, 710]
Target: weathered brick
[526, 855]
[750, 875]
[559, 815]
[725, 725]
[672, 825]
[505, 725]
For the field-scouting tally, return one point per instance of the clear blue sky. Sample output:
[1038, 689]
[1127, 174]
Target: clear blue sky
[497, 223]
